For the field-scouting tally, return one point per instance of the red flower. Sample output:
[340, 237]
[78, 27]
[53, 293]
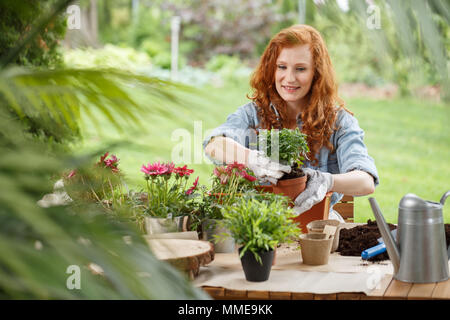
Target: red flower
[247, 176]
[183, 171]
[102, 158]
[222, 173]
[235, 165]
[194, 186]
[109, 163]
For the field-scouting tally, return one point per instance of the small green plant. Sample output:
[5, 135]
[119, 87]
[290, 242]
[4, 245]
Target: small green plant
[292, 145]
[260, 224]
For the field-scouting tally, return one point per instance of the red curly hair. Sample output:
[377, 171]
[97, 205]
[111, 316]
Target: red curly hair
[318, 118]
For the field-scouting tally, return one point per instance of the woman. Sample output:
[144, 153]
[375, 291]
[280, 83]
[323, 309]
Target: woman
[294, 86]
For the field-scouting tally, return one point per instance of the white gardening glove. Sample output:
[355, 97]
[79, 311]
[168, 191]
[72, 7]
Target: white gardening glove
[265, 169]
[317, 186]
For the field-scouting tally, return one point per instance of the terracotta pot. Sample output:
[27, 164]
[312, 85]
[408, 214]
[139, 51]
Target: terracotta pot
[315, 248]
[290, 187]
[319, 211]
[264, 188]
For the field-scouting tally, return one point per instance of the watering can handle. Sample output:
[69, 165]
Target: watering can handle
[444, 197]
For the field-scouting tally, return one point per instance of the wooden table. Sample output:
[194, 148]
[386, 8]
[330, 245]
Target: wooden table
[394, 290]
[388, 288]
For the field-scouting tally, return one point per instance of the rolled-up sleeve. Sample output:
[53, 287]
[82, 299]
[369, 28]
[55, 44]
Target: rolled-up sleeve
[351, 151]
[239, 127]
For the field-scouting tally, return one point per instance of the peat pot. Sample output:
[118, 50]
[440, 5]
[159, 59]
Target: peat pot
[317, 226]
[253, 270]
[211, 228]
[315, 248]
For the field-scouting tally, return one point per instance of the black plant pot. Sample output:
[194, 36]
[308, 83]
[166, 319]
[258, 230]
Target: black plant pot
[254, 271]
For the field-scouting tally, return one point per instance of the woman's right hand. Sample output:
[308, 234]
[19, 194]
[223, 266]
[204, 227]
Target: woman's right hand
[265, 169]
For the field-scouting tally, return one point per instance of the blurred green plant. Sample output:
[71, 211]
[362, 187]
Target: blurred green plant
[40, 245]
[405, 43]
[110, 56]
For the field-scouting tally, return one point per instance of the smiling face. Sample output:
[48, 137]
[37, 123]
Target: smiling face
[294, 74]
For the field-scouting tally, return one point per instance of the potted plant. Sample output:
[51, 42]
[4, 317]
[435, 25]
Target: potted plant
[292, 149]
[258, 224]
[169, 200]
[228, 184]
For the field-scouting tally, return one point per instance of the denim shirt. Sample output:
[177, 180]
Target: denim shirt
[350, 152]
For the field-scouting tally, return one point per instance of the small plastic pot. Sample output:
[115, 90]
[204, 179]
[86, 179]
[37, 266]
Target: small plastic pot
[253, 270]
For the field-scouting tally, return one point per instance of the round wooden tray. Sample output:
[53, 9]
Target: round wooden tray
[185, 255]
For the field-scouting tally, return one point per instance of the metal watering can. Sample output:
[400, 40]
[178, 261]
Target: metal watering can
[419, 254]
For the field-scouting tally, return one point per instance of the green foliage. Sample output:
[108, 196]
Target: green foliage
[110, 56]
[291, 145]
[39, 244]
[16, 20]
[260, 225]
[409, 47]
[230, 68]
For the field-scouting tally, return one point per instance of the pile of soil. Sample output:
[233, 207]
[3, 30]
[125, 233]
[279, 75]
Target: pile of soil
[295, 173]
[355, 240]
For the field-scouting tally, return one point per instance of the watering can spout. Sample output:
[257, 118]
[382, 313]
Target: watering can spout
[391, 245]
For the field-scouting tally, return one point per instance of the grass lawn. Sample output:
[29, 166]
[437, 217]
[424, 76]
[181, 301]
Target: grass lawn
[409, 140]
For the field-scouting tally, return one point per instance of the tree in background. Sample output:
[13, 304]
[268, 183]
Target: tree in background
[16, 20]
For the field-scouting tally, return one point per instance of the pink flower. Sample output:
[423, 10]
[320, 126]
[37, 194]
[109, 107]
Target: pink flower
[194, 186]
[170, 167]
[183, 171]
[157, 169]
[71, 174]
[222, 173]
[111, 163]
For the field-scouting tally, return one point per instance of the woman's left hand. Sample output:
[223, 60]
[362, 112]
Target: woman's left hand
[317, 186]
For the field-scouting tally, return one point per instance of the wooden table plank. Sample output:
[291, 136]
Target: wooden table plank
[260, 295]
[280, 295]
[397, 290]
[349, 296]
[442, 290]
[302, 296]
[328, 296]
[421, 291]
[215, 292]
[235, 294]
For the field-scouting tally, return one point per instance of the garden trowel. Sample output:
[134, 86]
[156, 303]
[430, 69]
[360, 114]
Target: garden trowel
[378, 249]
